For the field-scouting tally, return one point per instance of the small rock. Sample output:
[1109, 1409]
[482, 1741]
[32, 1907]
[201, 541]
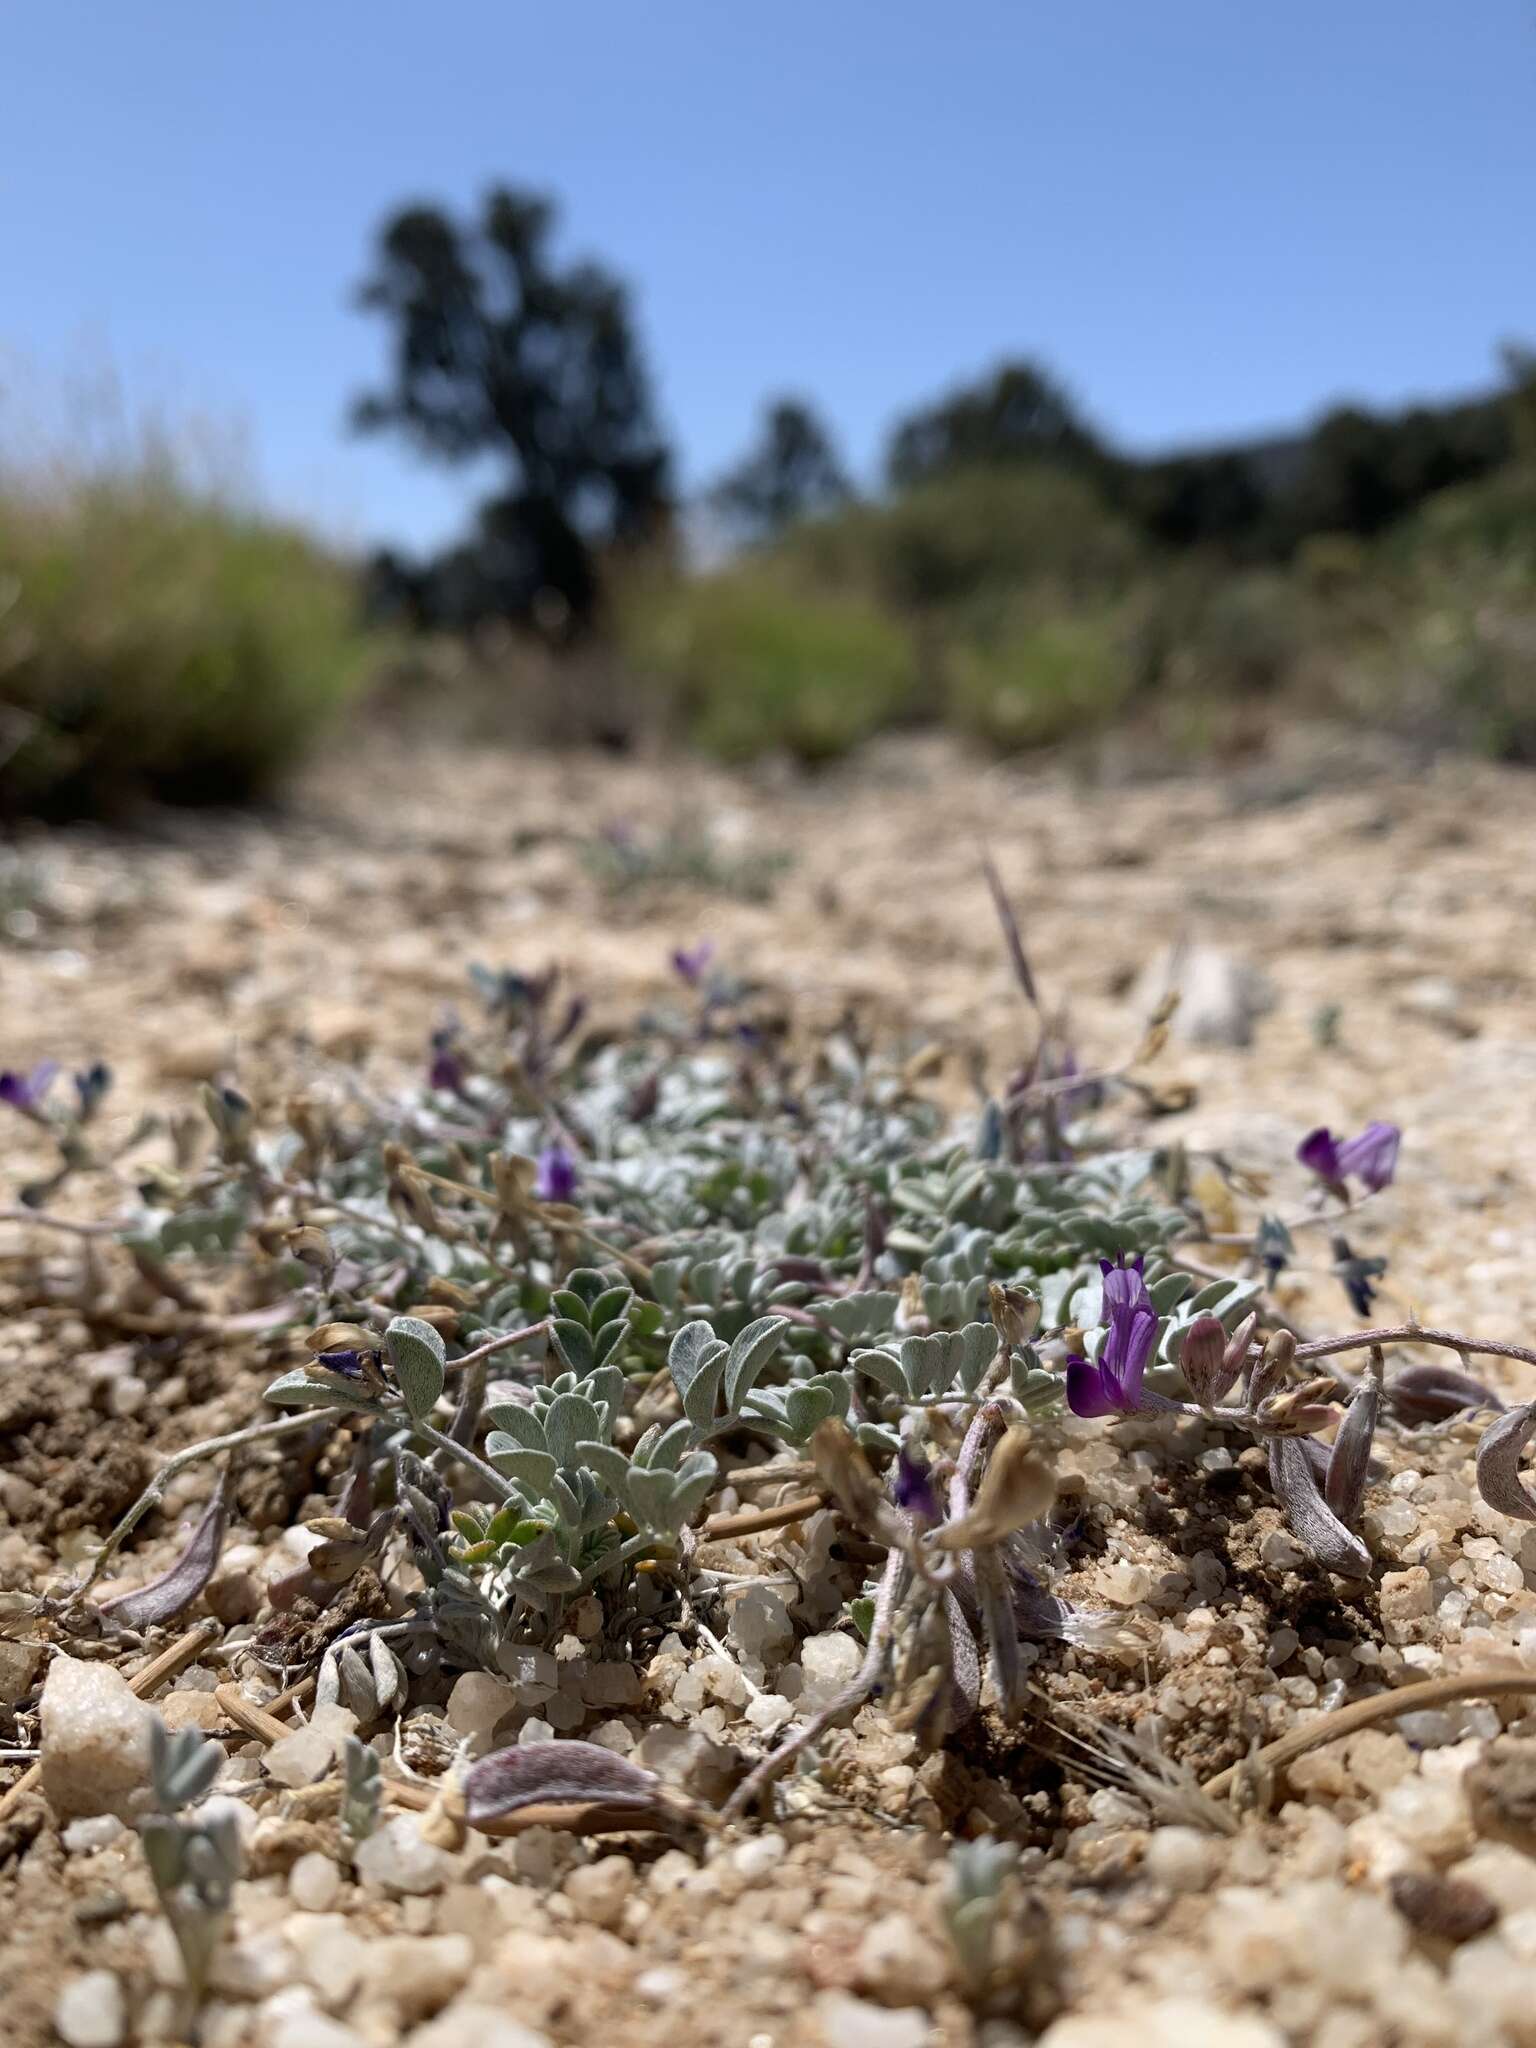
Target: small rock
[314, 1882]
[395, 1858]
[754, 1858]
[848, 2022]
[91, 2012]
[421, 1972]
[1163, 2023]
[187, 1709]
[1181, 1858]
[478, 1701]
[1220, 996]
[599, 1891]
[83, 1836]
[829, 1663]
[305, 1756]
[1281, 1551]
[331, 1956]
[95, 1741]
[19, 1666]
[486, 2026]
[233, 1597]
[612, 1685]
[310, 2030]
[1444, 1907]
[900, 1964]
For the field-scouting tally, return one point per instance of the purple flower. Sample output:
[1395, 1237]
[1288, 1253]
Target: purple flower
[347, 1365]
[692, 962]
[913, 1489]
[25, 1092]
[557, 1177]
[1113, 1385]
[1371, 1158]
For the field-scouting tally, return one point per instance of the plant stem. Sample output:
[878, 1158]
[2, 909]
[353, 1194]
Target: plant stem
[1410, 1333]
[1381, 1706]
[496, 1344]
[853, 1695]
[210, 1447]
[502, 1488]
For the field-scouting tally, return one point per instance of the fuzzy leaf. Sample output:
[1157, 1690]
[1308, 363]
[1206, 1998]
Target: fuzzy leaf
[415, 1350]
[523, 1425]
[749, 1357]
[298, 1390]
[573, 1341]
[568, 1420]
[529, 1468]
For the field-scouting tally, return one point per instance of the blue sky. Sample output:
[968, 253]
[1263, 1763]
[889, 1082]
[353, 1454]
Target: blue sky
[1209, 217]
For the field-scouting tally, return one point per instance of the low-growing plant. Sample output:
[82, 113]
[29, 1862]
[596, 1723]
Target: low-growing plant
[543, 1291]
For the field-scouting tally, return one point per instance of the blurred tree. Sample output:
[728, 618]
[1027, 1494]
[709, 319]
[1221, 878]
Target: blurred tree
[791, 473]
[1017, 414]
[500, 353]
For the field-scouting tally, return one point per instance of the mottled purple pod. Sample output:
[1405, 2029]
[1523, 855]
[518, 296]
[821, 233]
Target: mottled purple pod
[166, 1597]
[557, 1774]
[1435, 1392]
[1204, 1363]
[1498, 1463]
[1293, 1475]
[1349, 1464]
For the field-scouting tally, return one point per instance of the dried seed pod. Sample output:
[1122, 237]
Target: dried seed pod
[557, 1774]
[1498, 1463]
[166, 1597]
[1267, 1374]
[1435, 1392]
[1293, 1475]
[1017, 1489]
[1344, 1488]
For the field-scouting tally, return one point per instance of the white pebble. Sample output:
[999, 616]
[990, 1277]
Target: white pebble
[95, 1741]
[828, 1664]
[91, 2012]
[314, 1882]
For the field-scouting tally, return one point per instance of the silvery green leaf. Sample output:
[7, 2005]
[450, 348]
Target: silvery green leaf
[610, 1465]
[977, 1348]
[611, 1306]
[606, 1388]
[569, 1306]
[651, 1496]
[568, 1420]
[693, 1483]
[523, 1425]
[667, 1447]
[925, 1365]
[573, 1341]
[885, 1367]
[667, 1281]
[415, 1351]
[749, 1356]
[563, 1499]
[608, 1340]
[589, 1285]
[529, 1468]
[182, 1766]
[298, 1390]
[805, 1409]
[1169, 1291]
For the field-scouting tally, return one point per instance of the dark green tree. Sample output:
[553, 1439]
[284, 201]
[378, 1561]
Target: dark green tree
[791, 472]
[499, 352]
[1018, 414]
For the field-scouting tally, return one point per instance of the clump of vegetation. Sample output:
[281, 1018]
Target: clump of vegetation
[746, 663]
[159, 641]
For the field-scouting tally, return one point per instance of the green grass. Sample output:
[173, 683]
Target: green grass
[156, 642]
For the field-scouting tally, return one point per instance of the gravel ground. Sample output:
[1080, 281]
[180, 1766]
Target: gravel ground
[1352, 937]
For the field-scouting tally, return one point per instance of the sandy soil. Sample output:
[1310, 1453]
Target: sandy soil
[1370, 918]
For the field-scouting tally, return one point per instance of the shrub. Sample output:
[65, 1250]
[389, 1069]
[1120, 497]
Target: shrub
[1038, 682]
[984, 530]
[745, 664]
[155, 641]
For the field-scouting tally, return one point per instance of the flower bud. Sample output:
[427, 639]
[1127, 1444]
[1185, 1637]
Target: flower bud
[1203, 1359]
[1271, 1369]
[1016, 1313]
